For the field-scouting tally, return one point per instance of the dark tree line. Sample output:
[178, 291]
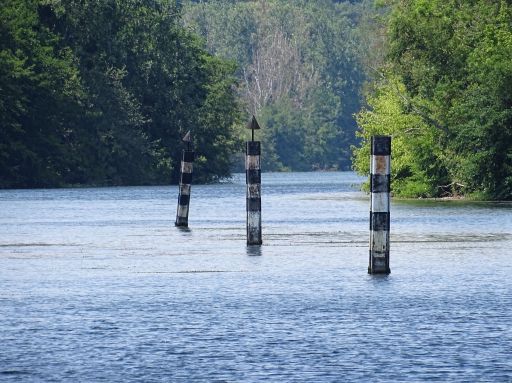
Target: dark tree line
[101, 92]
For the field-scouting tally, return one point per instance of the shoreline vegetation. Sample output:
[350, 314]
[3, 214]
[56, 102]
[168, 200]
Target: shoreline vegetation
[443, 94]
[101, 93]
[229, 179]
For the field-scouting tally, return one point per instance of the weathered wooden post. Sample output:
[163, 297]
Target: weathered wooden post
[380, 169]
[185, 183]
[253, 181]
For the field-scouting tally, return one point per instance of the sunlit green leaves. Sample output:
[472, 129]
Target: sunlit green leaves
[453, 61]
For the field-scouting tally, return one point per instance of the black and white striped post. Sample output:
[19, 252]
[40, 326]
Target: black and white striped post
[380, 170]
[253, 181]
[185, 183]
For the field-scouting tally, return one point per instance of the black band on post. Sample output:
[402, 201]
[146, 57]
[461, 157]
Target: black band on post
[381, 145]
[186, 178]
[380, 183]
[253, 148]
[188, 156]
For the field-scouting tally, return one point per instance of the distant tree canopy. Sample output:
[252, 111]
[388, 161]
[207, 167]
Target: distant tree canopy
[101, 92]
[445, 97]
[299, 72]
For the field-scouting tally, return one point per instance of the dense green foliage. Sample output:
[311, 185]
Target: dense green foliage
[100, 92]
[300, 72]
[445, 97]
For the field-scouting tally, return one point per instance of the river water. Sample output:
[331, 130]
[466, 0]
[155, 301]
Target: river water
[98, 285]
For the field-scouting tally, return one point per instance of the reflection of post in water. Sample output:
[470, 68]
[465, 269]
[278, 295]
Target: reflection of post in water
[253, 181]
[253, 251]
[380, 169]
[185, 183]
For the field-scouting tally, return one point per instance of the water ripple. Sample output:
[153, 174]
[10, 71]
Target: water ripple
[111, 291]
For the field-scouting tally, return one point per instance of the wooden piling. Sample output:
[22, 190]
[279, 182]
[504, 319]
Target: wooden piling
[185, 186]
[253, 181]
[380, 170]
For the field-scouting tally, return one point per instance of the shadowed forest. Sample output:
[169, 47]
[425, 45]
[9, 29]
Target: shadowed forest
[101, 92]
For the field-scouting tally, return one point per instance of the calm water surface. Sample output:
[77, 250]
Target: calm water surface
[98, 285]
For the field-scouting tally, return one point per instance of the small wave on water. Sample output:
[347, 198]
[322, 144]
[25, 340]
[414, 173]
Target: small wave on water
[98, 285]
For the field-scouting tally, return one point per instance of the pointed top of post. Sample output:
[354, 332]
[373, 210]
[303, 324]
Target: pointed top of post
[188, 139]
[253, 124]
